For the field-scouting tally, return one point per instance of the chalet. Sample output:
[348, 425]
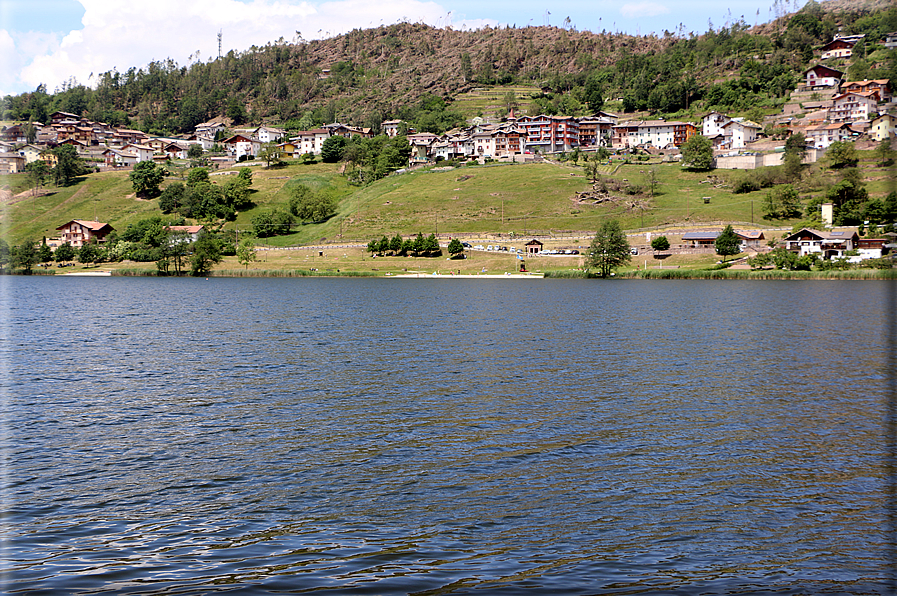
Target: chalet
[14, 134]
[241, 145]
[891, 41]
[699, 239]
[595, 132]
[131, 136]
[290, 149]
[880, 87]
[209, 129]
[191, 231]
[819, 76]
[832, 244]
[59, 117]
[77, 232]
[840, 47]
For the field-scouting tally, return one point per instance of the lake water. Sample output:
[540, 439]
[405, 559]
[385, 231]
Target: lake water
[393, 436]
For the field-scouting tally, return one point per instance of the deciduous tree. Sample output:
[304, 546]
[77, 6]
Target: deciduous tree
[727, 243]
[697, 153]
[609, 249]
[246, 252]
[146, 177]
[206, 254]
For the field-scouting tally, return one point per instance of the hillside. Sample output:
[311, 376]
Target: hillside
[367, 76]
[547, 198]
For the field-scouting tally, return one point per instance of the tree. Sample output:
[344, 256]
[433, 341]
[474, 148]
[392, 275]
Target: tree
[842, 154]
[660, 243]
[609, 249]
[88, 253]
[273, 222]
[38, 171]
[246, 252]
[308, 205]
[68, 164]
[197, 175]
[194, 151]
[395, 245]
[146, 177]
[236, 193]
[45, 253]
[4, 254]
[796, 144]
[332, 149]
[782, 202]
[455, 248]
[206, 253]
[64, 253]
[270, 153]
[884, 154]
[24, 256]
[727, 243]
[172, 197]
[697, 153]
[594, 94]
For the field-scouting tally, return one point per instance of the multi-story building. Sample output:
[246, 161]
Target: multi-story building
[850, 107]
[550, 134]
[659, 134]
[880, 87]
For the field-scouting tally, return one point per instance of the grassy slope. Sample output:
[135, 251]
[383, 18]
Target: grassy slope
[493, 199]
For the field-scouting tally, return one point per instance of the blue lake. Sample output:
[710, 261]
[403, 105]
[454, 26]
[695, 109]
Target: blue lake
[403, 436]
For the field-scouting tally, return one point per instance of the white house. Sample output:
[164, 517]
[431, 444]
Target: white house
[739, 134]
[822, 76]
[240, 145]
[823, 135]
[849, 107]
[266, 134]
[143, 152]
[391, 127]
[712, 124]
[192, 232]
[310, 141]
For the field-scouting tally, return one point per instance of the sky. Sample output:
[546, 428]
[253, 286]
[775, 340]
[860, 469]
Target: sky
[52, 41]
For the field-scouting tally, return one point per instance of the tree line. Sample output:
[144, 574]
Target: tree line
[411, 71]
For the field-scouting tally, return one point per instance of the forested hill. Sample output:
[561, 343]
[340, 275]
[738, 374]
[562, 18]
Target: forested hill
[413, 72]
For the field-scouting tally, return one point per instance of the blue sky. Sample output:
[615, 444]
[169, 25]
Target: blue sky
[50, 41]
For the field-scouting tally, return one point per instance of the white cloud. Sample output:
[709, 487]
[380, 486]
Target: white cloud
[122, 35]
[643, 9]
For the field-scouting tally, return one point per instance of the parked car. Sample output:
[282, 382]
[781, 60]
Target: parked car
[479, 247]
[466, 245]
[634, 250]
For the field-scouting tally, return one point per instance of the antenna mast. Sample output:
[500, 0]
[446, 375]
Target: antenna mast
[219, 42]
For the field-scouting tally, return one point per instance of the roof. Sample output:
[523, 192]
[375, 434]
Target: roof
[533, 242]
[700, 235]
[188, 229]
[827, 71]
[96, 226]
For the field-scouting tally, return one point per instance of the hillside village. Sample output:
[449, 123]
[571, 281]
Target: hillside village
[825, 108]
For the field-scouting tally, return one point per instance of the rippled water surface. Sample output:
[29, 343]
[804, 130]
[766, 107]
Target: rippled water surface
[444, 436]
